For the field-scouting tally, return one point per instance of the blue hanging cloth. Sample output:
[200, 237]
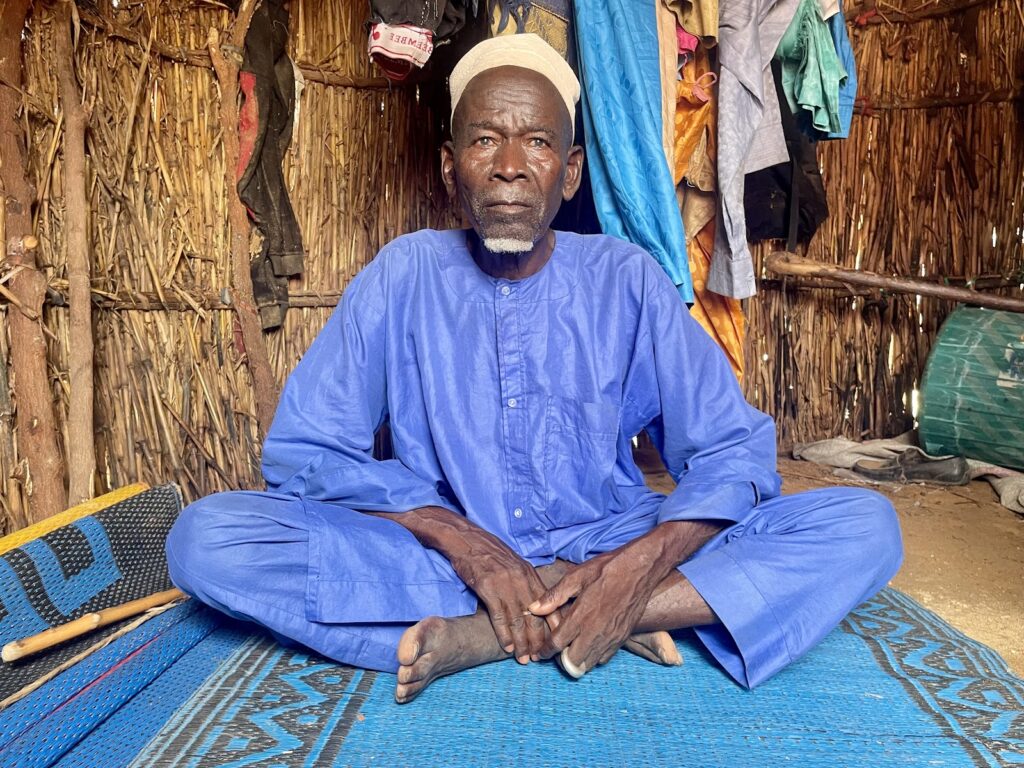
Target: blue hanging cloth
[620, 76]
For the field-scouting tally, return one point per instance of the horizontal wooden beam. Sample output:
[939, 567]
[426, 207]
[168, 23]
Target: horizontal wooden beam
[201, 57]
[180, 301]
[866, 105]
[784, 263]
[868, 13]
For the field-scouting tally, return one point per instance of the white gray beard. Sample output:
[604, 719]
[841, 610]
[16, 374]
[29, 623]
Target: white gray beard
[507, 245]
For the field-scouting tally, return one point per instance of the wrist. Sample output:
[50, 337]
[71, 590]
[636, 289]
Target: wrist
[669, 544]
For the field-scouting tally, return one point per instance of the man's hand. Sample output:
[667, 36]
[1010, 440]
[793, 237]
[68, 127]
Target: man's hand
[504, 582]
[612, 591]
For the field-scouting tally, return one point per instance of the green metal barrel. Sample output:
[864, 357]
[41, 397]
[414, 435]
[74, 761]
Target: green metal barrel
[972, 397]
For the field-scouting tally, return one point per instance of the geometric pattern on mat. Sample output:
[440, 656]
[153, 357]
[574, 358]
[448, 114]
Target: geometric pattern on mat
[965, 685]
[895, 686]
[99, 560]
[265, 700]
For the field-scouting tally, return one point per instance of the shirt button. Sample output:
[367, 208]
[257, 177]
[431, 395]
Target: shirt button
[517, 512]
[505, 290]
[511, 402]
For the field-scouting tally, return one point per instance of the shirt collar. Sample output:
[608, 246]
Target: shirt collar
[555, 280]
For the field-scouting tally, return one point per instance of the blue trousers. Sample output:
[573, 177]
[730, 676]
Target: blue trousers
[347, 584]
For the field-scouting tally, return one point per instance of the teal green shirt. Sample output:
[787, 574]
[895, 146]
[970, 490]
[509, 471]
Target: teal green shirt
[812, 72]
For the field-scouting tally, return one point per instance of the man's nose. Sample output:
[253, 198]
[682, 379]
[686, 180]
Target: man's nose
[510, 161]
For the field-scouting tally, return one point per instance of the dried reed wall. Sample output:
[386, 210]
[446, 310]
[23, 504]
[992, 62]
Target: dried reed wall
[173, 394]
[913, 191]
[924, 186]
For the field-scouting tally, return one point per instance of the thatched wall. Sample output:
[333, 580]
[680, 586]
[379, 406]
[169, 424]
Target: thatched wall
[913, 191]
[930, 183]
[174, 397]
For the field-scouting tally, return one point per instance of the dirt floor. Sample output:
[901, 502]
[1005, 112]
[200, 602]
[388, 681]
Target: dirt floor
[964, 553]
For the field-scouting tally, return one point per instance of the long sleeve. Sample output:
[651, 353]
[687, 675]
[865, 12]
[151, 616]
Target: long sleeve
[719, 449]
[320, 443]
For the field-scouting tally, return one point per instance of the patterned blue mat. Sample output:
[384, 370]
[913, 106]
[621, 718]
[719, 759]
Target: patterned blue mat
[894, 685]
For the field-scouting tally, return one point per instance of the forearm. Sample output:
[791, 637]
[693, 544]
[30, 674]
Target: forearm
[660, 551]
[438, 528]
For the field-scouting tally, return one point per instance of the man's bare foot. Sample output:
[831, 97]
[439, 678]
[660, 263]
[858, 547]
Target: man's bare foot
[436, 647]
[658, 647]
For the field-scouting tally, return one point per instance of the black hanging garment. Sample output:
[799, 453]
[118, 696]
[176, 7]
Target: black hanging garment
[786, 201]
[267, 80]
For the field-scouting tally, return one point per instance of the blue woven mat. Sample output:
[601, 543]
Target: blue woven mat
[894, 685]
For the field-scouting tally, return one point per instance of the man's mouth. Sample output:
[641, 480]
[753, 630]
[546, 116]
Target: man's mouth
[507, 206]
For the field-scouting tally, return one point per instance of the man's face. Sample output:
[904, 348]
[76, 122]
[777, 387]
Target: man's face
[510, 162]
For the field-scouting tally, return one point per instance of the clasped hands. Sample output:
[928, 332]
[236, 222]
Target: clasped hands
[586, 616]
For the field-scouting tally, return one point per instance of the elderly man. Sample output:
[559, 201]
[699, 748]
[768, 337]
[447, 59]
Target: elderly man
[515, 365]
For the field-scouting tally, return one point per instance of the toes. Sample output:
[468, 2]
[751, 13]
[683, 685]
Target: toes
[409, 646]
[418, 640]
[404, 693]
[658, 647]
[641, 650]
[666, 649]
[419, 670]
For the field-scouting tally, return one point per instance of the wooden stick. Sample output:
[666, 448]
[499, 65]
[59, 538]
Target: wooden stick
[866, 105]
[36, 419]
[226, 63]
[19, 649]
[784, 263]
[81, 444]
[201, 58]
[36, 684]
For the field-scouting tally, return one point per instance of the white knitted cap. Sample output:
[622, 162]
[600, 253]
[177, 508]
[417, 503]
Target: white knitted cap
[528, 51]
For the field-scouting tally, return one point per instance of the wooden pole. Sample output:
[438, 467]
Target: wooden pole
[227, 62]
[81, 448]
[42, 482]
[784, 263]
[27, 646]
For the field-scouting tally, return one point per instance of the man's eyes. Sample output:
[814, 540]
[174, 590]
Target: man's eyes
[532, 142]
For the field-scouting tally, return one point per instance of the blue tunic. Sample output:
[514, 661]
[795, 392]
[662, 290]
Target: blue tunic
[514, 403]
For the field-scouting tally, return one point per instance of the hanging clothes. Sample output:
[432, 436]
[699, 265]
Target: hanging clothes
[787, 201]
[697, 17]
[848, 88]
[267, 82]
[403, 33]
[548, 19]
[668, 57]
[750, 131]
[811, 70]
[695, 118]
[633, 190]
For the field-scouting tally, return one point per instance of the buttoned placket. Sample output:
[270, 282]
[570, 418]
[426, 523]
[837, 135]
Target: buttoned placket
[515, 413]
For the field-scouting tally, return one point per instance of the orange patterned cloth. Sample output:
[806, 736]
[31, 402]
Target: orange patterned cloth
[694, 171]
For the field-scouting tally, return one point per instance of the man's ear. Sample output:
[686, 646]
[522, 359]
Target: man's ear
[573, 172]
[448, 167]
